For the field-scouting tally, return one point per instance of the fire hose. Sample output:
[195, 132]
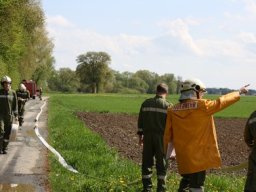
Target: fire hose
[55, 152]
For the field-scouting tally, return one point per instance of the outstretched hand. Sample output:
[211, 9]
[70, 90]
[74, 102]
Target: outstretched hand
[244, 89]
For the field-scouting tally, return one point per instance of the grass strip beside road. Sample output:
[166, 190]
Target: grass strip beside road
[100, 167]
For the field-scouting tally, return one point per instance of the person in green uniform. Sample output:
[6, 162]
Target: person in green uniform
[40, 93]
[23, 95]
[250, 139]
[151, 125]
[8, 111]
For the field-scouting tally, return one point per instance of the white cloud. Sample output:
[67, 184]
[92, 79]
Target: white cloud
[180, 29]
[58, 20]
[250, 6]
[169, 52]
[247, 37]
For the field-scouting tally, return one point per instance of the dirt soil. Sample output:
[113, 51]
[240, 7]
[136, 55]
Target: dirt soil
[119, 131]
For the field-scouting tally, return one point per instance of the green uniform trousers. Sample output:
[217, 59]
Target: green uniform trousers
[153, 148]
[21, 110]
[5, 131]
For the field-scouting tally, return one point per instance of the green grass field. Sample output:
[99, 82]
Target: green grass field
[100, 168]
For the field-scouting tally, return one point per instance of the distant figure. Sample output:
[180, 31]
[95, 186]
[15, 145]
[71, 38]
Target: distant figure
[190, 128]
[151, 124]
[40, 93]
[23, 95]
[8, 111]
[250, 139]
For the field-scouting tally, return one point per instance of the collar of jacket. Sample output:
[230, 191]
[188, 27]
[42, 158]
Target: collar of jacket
[159, 96]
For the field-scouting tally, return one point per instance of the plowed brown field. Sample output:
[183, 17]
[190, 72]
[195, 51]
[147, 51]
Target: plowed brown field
[119, 131]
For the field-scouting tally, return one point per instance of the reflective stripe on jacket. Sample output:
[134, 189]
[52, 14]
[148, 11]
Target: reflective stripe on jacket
[190, 127]
[8, 103]
[23, 94]
[152, 116]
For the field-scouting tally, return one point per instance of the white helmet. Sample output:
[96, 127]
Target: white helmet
[190, 89]
[22, 87]
[6, 79]
[193, 84]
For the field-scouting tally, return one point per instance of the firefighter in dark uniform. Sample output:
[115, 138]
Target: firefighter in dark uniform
[151, 124]
[250, 139]
[22, 95]
[40, 93]
[8, 111]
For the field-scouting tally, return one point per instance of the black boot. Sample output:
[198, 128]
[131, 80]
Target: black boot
[147, 185]
[161, 187]
[5, 144]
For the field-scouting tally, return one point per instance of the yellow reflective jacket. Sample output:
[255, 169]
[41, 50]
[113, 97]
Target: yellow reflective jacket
[190, 127]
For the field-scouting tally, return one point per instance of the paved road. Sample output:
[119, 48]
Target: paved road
[25, 166]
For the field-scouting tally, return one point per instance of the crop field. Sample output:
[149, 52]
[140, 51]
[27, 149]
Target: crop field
[96, 134]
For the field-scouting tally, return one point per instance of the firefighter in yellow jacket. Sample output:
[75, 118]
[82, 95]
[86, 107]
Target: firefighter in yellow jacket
[190, 129]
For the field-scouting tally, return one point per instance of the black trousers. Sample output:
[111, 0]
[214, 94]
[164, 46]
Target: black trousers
[250, 184]
[5, 131]
[153, 148]
[193, 180]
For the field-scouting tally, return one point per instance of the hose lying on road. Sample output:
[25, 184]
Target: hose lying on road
[60, 158]
[56, 153]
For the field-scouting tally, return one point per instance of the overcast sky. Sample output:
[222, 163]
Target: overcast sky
[214, 41]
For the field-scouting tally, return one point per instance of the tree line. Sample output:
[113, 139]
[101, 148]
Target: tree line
[93, 75]
[25, 49]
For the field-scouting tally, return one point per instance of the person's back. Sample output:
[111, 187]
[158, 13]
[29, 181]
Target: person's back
[191, 130]
[153, 115]
[195, 133]
[151, 124]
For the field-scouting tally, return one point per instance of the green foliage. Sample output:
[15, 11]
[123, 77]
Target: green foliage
[24, 45]
[64, 80]
[93, 69]
[150, 78]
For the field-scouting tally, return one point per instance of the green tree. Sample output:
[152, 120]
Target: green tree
[178, 84]
[171, 81]
[24, 45]
[150, 78]
[64, 80]
[93, 70]
[138, 84]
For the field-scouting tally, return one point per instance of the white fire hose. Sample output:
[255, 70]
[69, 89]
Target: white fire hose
[56, 153]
